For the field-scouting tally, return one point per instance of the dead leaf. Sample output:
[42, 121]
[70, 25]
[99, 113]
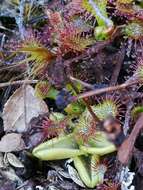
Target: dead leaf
[53, 188]
[21, 107]
[11, 175]
[6, 184]
[14, 161]
[74, 176]
[11, 142]
[126, 149]
[2, 164]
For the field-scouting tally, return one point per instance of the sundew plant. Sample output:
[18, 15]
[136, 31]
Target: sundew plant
[82, 61]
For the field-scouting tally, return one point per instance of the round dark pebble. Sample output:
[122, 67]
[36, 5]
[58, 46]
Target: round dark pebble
[63, 99]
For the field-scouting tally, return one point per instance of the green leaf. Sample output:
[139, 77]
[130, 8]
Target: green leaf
[100, 33]
[44, 90]
[101, 151]
[57, 117]
[75, 108]
[99, 144]
[70, 88]
[57, 148]
[136, 111]
[89, 170]
[105, 109]
[52, 93]
[98, 9]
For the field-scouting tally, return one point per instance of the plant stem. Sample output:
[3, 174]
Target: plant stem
[85, 84]
[103, 90]
[86, 103]
[18, 82]
[125, 150]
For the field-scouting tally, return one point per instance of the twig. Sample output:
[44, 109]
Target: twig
[86, 103]
[1, 46]
[128, 117]
[85, 84]
[94, 49]
[126, 148]
[103, 90]
[18, 83]
[91, 111]
[2, 42]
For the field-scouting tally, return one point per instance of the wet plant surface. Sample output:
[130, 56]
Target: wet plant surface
[71, 109]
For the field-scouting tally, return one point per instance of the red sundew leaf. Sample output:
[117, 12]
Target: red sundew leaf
[70, 39]
[74, 8]
[54, 18]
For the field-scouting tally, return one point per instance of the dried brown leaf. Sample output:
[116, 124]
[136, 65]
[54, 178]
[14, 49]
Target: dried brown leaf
[75, 176]
[126, 149]
[2, 164]
[11, 142]
[21, 107]
[14, 161]
[11, 175]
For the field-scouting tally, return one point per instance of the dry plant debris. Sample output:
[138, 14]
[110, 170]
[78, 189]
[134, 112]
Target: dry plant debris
[71, 109]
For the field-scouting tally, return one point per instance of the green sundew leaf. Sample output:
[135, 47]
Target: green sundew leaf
[102, 110]
[98, 9]
[74, 108]
[106, 109]
[44, 90]
[82, 128]
[99, 140]
[88, 169]
[100, 33]
[52, 93]
[99, 145]
[57, 148]
[136, 111]
[101, 151]
[84, 131]
[83, 166]
[77, 107]
[57, 117]
[133, 30]
[70, 88]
